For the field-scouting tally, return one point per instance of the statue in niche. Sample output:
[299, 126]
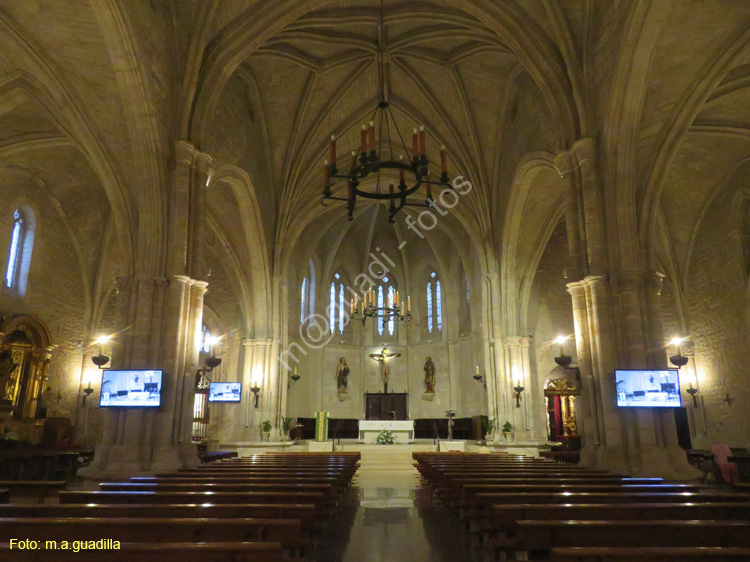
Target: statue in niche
[342, 374]
[385, 370]
[7, 382]
[429, 375]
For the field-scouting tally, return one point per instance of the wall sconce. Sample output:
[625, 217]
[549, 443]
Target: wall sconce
[295, 376]
[678, 360]
[692, 391]
[87, 391]
[256, 391]
[562, 360]
[480, 378]
[519, 389]
[101, 359]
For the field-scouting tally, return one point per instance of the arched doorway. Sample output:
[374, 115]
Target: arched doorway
[24, 362]
[561, 390]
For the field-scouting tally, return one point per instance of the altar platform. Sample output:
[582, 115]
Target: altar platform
[379, 454]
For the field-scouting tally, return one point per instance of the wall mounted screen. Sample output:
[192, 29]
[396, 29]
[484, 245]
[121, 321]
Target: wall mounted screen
[130, 389]
[225, 392]
[648, 388]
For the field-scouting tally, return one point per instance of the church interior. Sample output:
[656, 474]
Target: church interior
[461, 274]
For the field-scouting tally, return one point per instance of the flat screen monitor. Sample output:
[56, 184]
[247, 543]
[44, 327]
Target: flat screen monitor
[648, 388]
[130, 389]
[225, 392]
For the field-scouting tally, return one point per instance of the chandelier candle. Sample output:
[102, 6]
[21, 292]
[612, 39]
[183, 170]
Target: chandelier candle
[383, 152]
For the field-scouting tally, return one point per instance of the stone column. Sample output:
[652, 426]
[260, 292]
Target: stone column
[159, 322]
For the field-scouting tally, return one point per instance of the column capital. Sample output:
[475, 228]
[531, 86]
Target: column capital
[516, 341]
[565, 162]
[256, 342]
[584, 149]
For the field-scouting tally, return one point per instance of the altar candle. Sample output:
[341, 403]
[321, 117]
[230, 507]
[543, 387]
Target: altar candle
[372, 136]
[391, 188]
[443, 160]
[363, 139]
[415, 144]
[477, 369]
[326, 181]
[422, 141]
[332, 155]
[354, 158]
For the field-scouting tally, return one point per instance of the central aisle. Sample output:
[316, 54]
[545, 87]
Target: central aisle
[389, 517]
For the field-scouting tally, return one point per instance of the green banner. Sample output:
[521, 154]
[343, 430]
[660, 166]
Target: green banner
[321, 426]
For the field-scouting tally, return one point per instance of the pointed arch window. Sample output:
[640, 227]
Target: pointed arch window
[303, 301]
[205, 339]
[434, 304]
[337, 312]
[19, 252]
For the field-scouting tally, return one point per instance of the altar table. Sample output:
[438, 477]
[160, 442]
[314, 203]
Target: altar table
[403, 430]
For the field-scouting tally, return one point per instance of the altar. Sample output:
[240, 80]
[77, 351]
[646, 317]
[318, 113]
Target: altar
[403, 430]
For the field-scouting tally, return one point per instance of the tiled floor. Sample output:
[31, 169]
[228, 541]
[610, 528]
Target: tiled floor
[388, 517]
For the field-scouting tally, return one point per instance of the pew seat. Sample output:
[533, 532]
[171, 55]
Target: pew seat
[650, 554]
[40, 489]
[305, 513]
[153, 552]
[286, 532]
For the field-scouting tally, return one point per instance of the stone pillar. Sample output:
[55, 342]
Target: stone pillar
[493, 350]
[159, 322]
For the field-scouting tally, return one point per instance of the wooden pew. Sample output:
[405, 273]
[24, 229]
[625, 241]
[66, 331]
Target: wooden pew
[209, 486]
[315, 498]
[476, 495]
[40, 489]
[538, 537]
[4, 496]
[305, 513]
[504, 518]
[651, 554]
[287, 532]
[161, 552]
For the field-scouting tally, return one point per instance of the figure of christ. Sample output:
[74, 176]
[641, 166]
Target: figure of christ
[385, 370]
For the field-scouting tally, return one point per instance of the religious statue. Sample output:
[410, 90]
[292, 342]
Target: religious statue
[429, 375]
[342, 373]
[7, 383]
[385, 370]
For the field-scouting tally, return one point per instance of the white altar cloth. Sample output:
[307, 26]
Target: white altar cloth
[403, 430]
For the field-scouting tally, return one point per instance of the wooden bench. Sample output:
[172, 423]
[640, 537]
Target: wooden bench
[210, 486]
[540, 536]
[33, 488]
[504, 518]
[287, 532]
[315, 498]
[161, 552]
[305, 513]
[650, 554]
[4, 496]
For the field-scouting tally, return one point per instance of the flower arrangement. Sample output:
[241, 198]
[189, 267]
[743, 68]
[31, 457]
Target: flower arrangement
[385, 437]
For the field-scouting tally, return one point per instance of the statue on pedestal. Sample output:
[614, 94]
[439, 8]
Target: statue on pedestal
[342, 373]
[429, 375]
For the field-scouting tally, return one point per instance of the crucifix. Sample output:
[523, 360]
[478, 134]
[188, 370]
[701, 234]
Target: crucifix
[385, 370]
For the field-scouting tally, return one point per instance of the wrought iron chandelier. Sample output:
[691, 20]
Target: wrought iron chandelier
[369, 308]
[370, 158]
